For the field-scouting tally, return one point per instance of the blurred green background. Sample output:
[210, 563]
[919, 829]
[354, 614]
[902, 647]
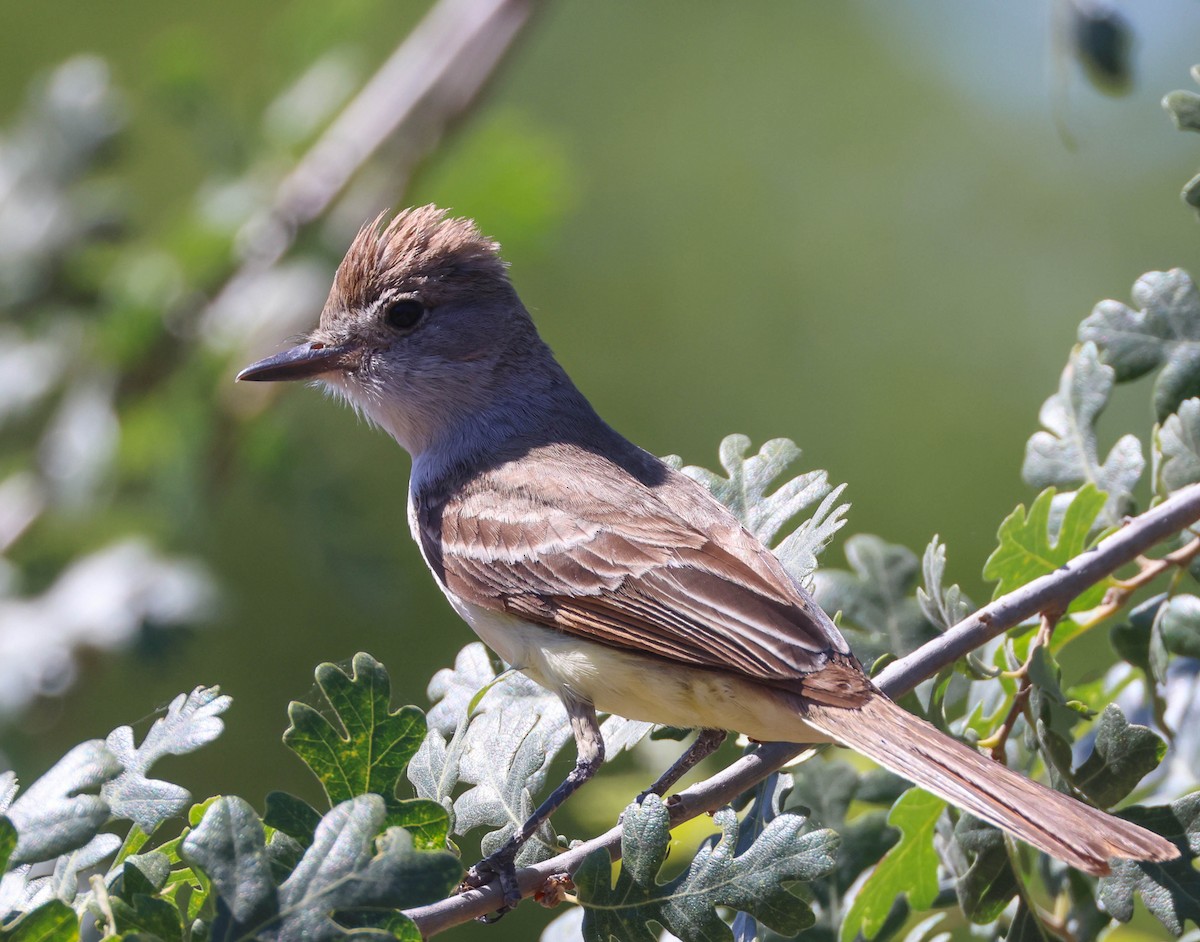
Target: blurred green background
[869, 228]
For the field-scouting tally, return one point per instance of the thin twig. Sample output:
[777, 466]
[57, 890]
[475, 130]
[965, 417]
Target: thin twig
[1051, 592]
[1117, 596]
[999, 740]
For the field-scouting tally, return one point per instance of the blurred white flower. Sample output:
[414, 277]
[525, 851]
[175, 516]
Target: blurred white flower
[29, 369]
[67, 120]
[266, 307]
[81, 441]
[21, 501]
[100, 601]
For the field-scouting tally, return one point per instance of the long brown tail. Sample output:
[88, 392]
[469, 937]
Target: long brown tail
[1078, 834]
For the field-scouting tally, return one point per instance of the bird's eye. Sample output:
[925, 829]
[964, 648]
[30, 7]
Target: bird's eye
[404, 314]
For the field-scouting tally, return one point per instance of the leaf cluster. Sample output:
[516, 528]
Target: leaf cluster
[57, 831]
[294, 873]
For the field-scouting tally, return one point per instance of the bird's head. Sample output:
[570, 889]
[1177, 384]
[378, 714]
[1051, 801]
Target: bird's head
[422, 326]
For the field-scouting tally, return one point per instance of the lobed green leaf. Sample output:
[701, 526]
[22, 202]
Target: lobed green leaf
[1028, 548]
[365, 746]
[54, 921]
[294, 816]
[909, 869]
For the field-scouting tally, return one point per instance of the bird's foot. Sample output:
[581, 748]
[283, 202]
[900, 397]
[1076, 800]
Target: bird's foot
[498, 866]
[557, 888]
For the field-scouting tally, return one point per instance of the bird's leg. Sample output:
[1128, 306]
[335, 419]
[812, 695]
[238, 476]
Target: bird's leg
[706, 743]
[502, 864]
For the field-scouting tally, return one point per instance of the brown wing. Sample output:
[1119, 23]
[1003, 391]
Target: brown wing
[647, 563]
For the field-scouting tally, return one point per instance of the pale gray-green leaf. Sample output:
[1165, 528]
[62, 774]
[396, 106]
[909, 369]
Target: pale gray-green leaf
[230, 847]
[63, 883]
[191, 721]
[504, 759]
[451, 690]
[798, 551]
[1177, 450]
[347, 869]
[1067, 454]
[768, 796]
[876, 597]
[745, 492]
[502, 752]
[754, 882]
[1123, 754]
[943, 605]
[433, 771]
[1164, 332]
[1179, 624]
[1170, 890]
[1184, 109]
[61, 810]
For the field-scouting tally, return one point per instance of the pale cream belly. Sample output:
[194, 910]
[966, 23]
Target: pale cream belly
[635, 687]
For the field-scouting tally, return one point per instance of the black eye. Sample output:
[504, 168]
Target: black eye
[404, 315]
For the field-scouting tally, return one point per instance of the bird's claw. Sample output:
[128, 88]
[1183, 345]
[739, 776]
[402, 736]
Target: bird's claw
[498, 866]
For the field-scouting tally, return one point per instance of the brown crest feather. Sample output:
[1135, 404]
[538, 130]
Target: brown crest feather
[423, 249]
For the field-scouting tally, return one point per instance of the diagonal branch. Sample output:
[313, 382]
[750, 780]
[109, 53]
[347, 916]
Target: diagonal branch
[1048, 593]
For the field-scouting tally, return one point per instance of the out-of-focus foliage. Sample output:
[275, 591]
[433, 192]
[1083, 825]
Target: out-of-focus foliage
[876, 597]
[59, 394]
[362, 748]
[1101, 39]
[1184, 109]
[1164, 334]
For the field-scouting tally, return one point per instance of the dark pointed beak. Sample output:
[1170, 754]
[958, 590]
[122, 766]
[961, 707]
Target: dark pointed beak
[303, 362]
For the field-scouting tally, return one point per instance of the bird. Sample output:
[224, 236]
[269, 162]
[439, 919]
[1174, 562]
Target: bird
[612, 580]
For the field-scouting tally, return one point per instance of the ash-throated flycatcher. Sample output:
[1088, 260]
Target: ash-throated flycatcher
[594, 568]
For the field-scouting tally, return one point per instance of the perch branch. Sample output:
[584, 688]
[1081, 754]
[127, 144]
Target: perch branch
[1048, 593]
